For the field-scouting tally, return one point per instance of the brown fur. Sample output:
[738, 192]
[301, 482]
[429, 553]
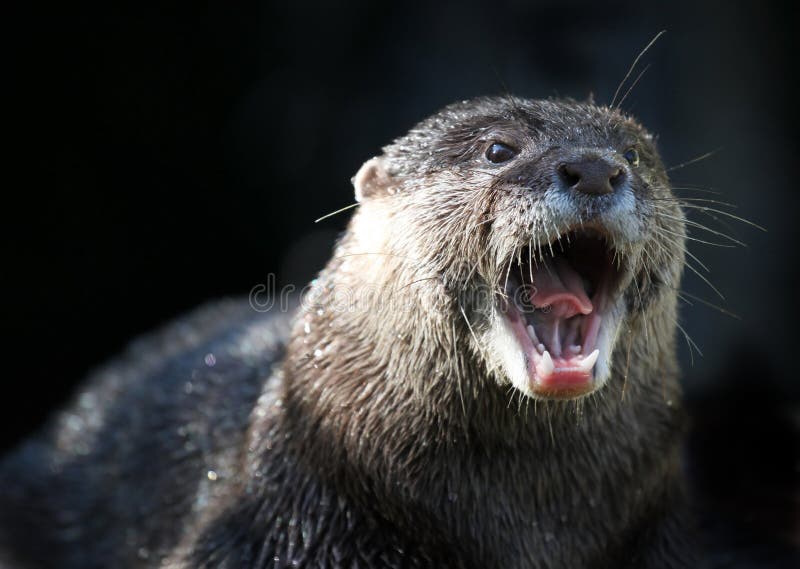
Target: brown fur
[388, 437]
[426, 421]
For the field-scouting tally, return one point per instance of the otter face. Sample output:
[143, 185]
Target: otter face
[561, 209]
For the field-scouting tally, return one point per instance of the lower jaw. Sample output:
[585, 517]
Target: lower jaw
[516, 352]
[565, 385]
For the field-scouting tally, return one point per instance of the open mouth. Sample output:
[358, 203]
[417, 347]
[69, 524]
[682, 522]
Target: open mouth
[560, 306]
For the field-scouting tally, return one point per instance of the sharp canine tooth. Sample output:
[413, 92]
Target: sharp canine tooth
[546, 366]
[588, 362]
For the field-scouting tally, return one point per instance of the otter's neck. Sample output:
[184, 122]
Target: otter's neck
[391, 398]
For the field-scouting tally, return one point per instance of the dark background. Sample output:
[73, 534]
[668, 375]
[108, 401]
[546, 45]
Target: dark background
[163, 156]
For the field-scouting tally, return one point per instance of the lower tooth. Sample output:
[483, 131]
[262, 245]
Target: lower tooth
[532, 334]
[575, 349]
[546, 366]
[588, 362]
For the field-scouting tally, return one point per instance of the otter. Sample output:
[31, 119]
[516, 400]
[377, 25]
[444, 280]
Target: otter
[483, 375]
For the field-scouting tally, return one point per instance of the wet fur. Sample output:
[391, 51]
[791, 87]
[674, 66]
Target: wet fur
[379, 432]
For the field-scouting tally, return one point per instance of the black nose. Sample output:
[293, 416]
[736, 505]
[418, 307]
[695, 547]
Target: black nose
[594, 176]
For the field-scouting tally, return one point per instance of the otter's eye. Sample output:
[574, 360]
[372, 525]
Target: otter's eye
[632, 156]
[498, 153]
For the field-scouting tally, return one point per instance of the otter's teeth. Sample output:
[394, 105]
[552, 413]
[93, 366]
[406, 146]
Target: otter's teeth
[588, 362]
[535, 339]
[545, 367]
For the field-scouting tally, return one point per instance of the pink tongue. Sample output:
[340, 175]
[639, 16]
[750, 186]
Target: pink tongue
[560, 286]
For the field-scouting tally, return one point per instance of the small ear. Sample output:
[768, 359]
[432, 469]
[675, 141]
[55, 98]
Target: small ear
[372, 179]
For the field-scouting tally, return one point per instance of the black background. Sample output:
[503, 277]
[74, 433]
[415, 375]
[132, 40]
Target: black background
[161, 156]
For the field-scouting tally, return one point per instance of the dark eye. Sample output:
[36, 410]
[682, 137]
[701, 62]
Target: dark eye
[498, 153]
[632, 156]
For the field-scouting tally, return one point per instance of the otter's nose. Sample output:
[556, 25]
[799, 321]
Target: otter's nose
[593, 176]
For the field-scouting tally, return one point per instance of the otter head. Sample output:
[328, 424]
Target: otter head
[548, 226]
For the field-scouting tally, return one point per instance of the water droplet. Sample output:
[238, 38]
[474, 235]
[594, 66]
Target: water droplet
[210, 360]
[212, 475]
[318, 353]
[307, 328]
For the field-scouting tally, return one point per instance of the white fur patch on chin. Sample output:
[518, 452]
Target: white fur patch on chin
[505, 350]
[606, 342]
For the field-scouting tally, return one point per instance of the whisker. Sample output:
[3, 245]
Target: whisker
[508, 272]
[380, 253]
[694, 160]
[458, 371]
[418, 281]
[511, 390]
[641, 302]
[704, 227]
[633, 65]
[696, 188]
[706, 210]
[331, 214]
[471, 331]
[690, 238]
[676, 243]
[684, 200]
[682, 293]
[708, 282]
[635, 81]
[627, 364]
[691, 343]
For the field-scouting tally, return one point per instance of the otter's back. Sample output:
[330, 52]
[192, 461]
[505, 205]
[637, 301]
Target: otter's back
[148, 442]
